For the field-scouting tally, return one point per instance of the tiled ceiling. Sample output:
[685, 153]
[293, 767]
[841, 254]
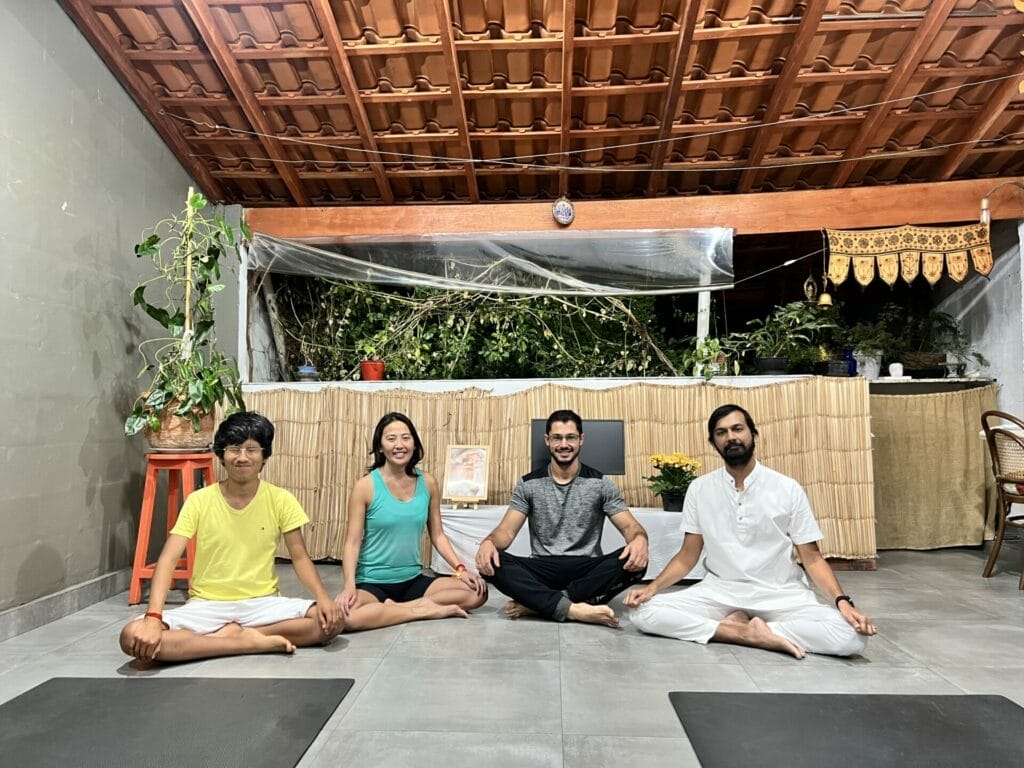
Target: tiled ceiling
[335, 102]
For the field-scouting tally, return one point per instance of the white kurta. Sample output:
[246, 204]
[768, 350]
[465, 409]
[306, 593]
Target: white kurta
[748, 544]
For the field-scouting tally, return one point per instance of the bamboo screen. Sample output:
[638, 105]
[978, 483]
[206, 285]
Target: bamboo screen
[815, 429]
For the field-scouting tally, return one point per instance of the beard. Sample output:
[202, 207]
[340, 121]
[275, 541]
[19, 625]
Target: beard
[737, 454]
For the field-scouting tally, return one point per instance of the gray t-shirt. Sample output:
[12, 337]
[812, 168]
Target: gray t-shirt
[567, 519]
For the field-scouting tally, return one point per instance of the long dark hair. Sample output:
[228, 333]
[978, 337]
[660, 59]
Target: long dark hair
[378, 437]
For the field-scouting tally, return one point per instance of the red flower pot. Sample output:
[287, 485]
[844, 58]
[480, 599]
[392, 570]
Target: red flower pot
[371, 370]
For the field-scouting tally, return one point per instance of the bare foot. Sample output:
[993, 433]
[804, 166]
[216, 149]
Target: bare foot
[260, 643]
[763, 637]
[425, 608]
[593, 614]
[737, 617]
[516, 610]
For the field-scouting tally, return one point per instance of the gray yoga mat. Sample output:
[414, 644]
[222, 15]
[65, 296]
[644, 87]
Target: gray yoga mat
[174, 722]
[835, 730]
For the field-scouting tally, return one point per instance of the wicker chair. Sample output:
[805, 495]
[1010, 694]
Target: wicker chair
[1005, 435]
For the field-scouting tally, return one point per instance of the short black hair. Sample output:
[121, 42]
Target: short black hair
[239, 427]
[564, 415]
[378, 438]
[724, 410]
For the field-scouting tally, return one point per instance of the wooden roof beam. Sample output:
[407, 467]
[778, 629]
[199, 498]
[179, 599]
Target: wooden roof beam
[451, 62]
[565, 132]
[329, 26]
[199, 12]
[170, 131]
[909, 61]
[993, 109]
[673, 95]
[751, 214]
[783, 90]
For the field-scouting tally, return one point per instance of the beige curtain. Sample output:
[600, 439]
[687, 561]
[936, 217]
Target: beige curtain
[815, 429]
[931, 468]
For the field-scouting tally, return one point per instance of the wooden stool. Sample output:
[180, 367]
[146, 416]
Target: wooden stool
[181, 471]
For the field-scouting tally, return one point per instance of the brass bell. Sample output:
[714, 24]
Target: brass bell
[824, 299]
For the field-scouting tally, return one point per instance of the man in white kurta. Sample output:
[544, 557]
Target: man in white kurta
[746, 519]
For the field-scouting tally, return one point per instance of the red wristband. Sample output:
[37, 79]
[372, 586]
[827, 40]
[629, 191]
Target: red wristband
[155, 615]
[460, 568]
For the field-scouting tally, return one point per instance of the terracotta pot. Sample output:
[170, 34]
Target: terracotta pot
[176, 433]
[371, 370]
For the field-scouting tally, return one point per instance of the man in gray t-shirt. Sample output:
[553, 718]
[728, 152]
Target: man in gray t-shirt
[565, 503]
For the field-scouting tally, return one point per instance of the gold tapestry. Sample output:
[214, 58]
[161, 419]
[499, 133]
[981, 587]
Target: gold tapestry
[908, 251]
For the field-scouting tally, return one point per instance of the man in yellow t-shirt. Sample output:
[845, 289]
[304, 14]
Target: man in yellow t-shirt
[234, 605]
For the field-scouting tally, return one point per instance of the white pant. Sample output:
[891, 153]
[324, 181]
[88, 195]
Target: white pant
[206, 616]
[695, 612]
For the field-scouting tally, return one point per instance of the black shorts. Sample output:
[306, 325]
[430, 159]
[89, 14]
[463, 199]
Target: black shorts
[402, 592]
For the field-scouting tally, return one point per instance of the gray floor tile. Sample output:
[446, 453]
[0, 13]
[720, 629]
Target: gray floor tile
[432, 749]
[804, 678]
[478, 695]
[628, 644]
[630, 698]
[954, 643]
[998, 681]
[480, 637]
[614, 751]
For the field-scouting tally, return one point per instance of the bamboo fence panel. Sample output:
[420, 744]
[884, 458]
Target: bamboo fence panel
[814, 429]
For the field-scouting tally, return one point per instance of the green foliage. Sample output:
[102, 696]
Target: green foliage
[789, 331]
[424, 333]
[189, 376]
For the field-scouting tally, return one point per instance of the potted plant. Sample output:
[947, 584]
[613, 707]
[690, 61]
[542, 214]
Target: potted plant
[189, 376]
[875, 341]
[707, 358]
[675, 473]
[789, 329]
[371, 367]
[935, 339]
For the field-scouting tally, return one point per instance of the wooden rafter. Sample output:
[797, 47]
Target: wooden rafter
[909, 61]
[199, 12]
[87, 21]
[673, 95]
[329, 26]
[565, 124]
[451, 62]
[795, 57]
[993, 109]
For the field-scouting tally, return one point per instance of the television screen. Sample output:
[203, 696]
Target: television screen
[604, 445]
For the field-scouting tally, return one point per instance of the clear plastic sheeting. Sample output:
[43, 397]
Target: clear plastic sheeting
[613, 262]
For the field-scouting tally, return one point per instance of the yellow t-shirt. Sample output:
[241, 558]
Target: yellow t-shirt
[235, 548]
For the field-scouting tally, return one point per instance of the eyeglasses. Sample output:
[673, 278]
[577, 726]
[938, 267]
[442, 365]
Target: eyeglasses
[570, 439]
[248, 450]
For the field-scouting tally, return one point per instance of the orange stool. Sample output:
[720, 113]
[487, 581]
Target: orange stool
[181, 471]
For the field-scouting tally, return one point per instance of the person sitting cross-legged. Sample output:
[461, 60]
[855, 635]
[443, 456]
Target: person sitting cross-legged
[748, 518]
[565, 503]
[234, 605]
[388, 509]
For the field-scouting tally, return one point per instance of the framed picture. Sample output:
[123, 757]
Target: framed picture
[465, 477]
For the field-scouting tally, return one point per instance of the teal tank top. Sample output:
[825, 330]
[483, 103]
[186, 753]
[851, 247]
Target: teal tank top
[392, 534]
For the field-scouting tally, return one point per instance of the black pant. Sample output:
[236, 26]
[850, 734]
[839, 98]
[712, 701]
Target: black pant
[547, 585]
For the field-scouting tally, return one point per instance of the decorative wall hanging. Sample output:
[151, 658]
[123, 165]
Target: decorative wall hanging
[908, 251]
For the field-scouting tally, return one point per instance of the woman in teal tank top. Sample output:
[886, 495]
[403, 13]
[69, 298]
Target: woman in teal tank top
[387, 512]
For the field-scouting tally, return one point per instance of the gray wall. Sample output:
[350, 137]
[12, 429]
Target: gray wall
[990, 312]
[83, 174]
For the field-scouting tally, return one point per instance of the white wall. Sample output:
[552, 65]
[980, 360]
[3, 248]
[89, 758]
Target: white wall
[990, 312]
[82, 173]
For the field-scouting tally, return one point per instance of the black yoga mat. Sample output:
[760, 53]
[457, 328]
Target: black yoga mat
[863, 730]
[156, 722]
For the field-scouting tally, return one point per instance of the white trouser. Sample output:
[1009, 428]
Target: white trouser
[694, 614]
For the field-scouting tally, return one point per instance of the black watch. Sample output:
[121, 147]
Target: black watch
[847, 598]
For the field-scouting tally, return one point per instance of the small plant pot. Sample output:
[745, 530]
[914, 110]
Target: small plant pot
[176, 433]
[772, 365]
[371, 370]
[672, 502]
[307, 373]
